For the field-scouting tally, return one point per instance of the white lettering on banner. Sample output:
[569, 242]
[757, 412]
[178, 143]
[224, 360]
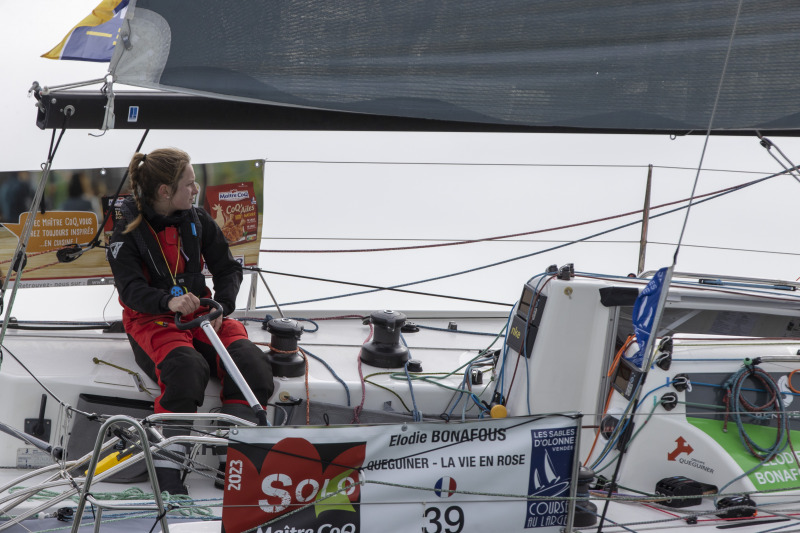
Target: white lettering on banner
[783, 458]
[551, 460]
[305, 491]
[542, 514]
[234, 195]
[298, 493]
[269, 490]
[557, 440]
[769, 477]
[324, 528]
[239, 208]
[234, 475]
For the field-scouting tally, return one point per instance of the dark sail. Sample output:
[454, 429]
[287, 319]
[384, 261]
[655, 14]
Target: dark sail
[579, 65]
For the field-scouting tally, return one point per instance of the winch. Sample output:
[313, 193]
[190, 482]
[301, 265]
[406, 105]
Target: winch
[385, 349]
[283, 353]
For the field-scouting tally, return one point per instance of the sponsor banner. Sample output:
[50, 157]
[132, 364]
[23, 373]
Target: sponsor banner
[429, 477]
[76, 201]
[780, 473]
[56, 229]
[235, 210]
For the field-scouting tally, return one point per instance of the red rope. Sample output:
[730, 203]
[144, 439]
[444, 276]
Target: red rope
[501, 237]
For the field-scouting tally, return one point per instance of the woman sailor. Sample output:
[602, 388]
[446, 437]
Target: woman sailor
[156, 254]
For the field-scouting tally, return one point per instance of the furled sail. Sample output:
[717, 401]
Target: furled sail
[616, 65]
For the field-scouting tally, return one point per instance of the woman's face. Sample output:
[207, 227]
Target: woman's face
[187, 189]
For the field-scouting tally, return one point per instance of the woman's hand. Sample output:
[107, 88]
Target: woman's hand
[184, 304]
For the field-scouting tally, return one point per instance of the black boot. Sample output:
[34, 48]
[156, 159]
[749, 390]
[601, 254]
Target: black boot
[169, 480]
[170, 461]
[219, 480]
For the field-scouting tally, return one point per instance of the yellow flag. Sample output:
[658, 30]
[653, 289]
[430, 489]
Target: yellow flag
[93, 38]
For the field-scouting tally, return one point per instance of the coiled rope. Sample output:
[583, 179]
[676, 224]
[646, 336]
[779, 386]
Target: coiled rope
[736, 405]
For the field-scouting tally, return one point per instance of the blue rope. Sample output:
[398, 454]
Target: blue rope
[718, 386]
[417, 415]
[463, 389]
[500, 383]
[333, 373]
[477, 401]
[734, 388]
[612, 443]
[502, 362]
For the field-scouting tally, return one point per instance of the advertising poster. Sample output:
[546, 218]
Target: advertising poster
[74, 204]
[488, 475]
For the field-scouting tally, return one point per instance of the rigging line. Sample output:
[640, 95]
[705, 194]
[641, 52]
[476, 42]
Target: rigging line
[524, 241]
[400, 239]
[647, 351]
[718, 193]
[462, 164]
[47, 90]
[512, 259]
[708, 131]
[768, 144]
[96, 239]
[374, 287]
[110, 296]
[724, 248]
[19, 259]
[274, 300]
[42, 385]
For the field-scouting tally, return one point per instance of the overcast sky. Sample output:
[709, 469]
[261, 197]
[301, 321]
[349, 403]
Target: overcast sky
[493, 184]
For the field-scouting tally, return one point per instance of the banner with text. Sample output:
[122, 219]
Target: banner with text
[74, 205]
[508, 474]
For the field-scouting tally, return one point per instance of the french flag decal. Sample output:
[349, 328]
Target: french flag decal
[444, 487]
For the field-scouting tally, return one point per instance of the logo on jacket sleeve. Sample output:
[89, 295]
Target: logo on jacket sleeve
[114, 248]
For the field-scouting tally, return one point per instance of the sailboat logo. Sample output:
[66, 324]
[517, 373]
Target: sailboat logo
[552, 454]
[544, 479]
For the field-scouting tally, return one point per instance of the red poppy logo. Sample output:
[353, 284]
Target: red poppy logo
[293, 475]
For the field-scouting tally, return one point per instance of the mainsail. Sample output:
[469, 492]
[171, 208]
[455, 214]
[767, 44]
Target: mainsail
[617, 65]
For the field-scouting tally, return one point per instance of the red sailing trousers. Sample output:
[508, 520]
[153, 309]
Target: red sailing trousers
[181, 361]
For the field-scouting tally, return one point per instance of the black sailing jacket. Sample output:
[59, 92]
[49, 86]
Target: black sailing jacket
[140, 270]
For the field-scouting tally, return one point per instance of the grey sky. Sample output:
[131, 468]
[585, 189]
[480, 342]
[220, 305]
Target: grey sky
[498, 184]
